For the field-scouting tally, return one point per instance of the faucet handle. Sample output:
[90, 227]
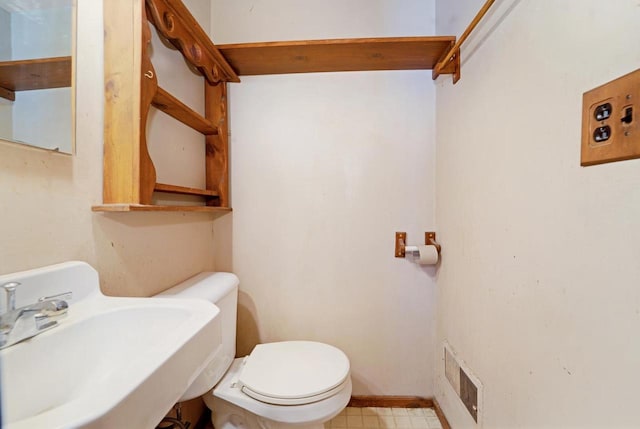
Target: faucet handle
[10, 289]
[64, 295]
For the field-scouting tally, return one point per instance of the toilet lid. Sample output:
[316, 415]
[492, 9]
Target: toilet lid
[293, 372]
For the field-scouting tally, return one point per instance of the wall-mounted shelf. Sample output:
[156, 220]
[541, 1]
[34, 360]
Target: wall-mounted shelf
[438, 53]
[218, 211]
[41, 73]
[308, 56]
[131, 88]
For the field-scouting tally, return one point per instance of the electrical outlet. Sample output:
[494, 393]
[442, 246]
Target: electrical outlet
[610, 125]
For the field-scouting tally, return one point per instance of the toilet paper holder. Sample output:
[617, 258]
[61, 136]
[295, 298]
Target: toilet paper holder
[402, 248]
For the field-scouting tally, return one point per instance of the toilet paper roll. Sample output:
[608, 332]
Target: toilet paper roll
[428, 255]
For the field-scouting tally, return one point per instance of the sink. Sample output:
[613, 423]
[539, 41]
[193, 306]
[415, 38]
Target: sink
[112, 362]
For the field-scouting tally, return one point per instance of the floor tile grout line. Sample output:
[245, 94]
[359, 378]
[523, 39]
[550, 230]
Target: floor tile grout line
[385, 418]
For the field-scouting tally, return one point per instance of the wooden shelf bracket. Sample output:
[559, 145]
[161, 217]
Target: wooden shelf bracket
[450, 61]
[174, 21]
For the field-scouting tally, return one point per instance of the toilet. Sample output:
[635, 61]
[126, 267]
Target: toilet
[293, 384]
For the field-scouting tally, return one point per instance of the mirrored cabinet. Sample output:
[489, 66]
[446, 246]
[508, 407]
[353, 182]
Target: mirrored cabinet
[36, 73]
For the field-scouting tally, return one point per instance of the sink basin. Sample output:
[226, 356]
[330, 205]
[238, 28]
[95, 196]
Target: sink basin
[113, 362]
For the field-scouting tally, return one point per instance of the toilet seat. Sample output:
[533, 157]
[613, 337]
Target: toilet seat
[229, 400]
[294, 372]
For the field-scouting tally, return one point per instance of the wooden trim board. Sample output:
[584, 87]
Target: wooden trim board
[441, 416]
[391, 402]
[122, 70]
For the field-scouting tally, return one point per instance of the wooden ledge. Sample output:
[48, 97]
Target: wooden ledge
[42, 73]
[391, 402]
[308, 56]
[119, 208]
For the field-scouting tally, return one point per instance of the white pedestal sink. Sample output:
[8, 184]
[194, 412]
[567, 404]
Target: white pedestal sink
[111, 363]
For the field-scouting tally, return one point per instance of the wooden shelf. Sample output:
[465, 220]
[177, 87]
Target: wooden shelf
[173, 189]
[152, 208]
[173, 107]
[40, 73]
[395, 53]
[131, 88]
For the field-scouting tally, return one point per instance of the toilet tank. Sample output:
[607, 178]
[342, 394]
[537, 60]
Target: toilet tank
[222, 290]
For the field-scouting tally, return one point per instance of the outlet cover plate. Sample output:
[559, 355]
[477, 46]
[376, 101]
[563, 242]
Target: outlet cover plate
[622, 136]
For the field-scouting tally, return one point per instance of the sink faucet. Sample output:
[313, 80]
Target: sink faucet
[18, 324]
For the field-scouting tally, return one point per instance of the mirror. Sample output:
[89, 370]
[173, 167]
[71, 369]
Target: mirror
[36, 83]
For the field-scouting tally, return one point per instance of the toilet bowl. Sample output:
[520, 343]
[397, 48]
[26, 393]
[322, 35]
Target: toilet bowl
[293, 384]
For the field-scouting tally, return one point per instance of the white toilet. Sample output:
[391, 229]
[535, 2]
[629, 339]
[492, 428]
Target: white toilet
[299, 384]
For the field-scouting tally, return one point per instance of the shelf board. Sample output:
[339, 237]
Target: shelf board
[43, 73]
[219, 211]
[173, 189]
[173, 107]
[393, 53]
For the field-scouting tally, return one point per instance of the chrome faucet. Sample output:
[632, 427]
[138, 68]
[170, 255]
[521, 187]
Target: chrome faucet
[18, 324]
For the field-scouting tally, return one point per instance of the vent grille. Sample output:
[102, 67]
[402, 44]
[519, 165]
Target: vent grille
[463, 382]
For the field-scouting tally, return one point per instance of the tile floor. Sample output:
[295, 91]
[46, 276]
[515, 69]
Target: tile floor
[385, 418]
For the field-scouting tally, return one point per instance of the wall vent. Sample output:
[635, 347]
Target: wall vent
[466, 385]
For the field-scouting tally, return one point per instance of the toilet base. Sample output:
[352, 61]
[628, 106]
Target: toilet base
[229, 416]
[233, 409]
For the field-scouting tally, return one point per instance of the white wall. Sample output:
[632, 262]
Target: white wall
[46, 199]
[539, 288]
[325, 168]
[268, 20]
